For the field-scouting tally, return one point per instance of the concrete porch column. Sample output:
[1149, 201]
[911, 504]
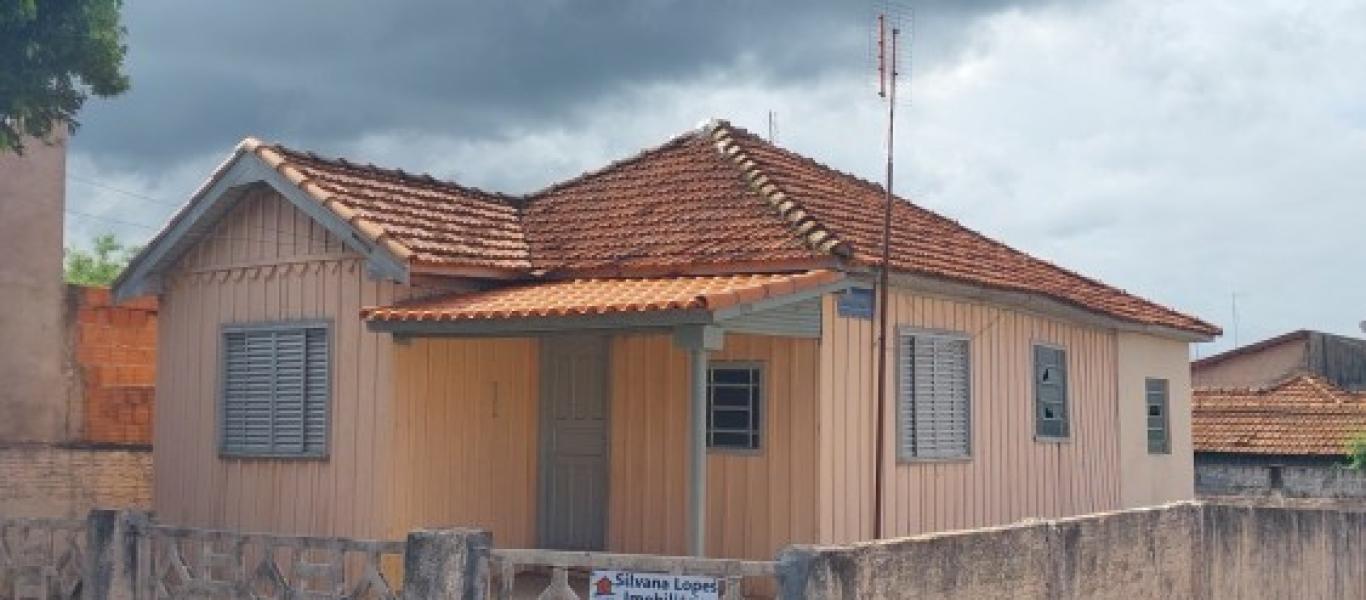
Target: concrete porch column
[698, 340]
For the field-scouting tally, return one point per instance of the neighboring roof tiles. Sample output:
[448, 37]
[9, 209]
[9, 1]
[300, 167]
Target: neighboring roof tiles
[431, 222]
[851, 211]
[583, 297]
[1303, 415]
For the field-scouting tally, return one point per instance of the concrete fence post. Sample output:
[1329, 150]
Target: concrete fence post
[443, 564]
[111, 569]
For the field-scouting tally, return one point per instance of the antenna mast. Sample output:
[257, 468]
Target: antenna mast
[887, 75]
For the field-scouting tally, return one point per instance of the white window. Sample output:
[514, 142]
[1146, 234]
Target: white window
[934, 396]
[276, 384]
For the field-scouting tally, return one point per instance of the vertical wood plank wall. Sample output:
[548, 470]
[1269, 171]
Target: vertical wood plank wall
[266, 261]
[756, 502]
[466, 436]
[1010, 476]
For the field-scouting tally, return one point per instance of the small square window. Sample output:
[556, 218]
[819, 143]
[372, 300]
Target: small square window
[734, 401]
[276, 388]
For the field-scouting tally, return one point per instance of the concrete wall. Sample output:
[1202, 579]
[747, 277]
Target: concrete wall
[1183, 550]
[1255, 369]
[41, 480]
[1289, 481]
[1148, 479]
[31, 204]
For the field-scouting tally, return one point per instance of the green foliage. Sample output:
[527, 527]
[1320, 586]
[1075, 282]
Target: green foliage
[1356, 451]
[53, 55]
[100, 266]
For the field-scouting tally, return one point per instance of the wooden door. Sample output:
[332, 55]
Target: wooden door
[574, 434]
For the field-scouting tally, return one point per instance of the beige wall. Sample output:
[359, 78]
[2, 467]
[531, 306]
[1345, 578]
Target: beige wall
[33, 397]
[465, 435]
[1148, 479]
[1010, 475]
[467, 450]
[756, 502]
[266, 261]
[1255, 369]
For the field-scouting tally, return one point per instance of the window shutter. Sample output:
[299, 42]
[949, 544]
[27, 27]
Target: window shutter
[933, 387]
[1050, 392]
[275, 391]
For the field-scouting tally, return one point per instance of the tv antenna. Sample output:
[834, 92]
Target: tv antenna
[889, 20]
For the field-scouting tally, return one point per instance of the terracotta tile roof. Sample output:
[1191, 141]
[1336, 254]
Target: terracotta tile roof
[714, 200]
[923, 242]
[680, 204]
[1302, 415]
[580, 297]
[418, 217]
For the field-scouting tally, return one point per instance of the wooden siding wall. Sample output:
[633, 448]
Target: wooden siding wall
[266, 261]
[466, 433]
[757, 502]
[1010, 476]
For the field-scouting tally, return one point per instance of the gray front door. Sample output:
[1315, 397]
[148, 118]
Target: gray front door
[573, 442]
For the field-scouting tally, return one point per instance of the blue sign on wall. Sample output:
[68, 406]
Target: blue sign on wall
[856, 303]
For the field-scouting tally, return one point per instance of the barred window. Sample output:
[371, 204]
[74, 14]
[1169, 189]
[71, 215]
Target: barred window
[734, 402]
[934, 408]
[1157, 400]
[276, 388]
[1050, 393]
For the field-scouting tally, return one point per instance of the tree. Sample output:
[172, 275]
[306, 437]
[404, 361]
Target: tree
[53, 55]
[100, 266]
[1356, 451]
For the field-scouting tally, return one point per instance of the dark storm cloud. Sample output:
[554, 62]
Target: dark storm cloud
[315, 72]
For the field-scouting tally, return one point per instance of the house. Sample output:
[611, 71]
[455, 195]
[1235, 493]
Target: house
[671, 354]
[1341, 360]
[1288, 439]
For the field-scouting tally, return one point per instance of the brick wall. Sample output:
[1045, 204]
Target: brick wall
[41, 480]
[114, 351]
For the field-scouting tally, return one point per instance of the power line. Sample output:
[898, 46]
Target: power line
[103, 186]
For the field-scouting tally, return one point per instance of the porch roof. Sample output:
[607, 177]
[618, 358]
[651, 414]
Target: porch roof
[600, 297]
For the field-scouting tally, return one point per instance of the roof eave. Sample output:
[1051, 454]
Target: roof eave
[241, 170]
[1039, 303]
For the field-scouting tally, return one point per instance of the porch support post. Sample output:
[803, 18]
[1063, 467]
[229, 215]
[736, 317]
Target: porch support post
[698, 340]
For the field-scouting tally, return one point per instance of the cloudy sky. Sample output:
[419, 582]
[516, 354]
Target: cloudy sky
[1186, 151]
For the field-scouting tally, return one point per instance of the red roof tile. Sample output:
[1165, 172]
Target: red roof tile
[581, 297]
[1303, 415]
[708, 201]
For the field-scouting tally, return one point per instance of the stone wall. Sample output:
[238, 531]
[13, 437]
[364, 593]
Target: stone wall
[1289, 481]
[39, 480]
[1182, 550]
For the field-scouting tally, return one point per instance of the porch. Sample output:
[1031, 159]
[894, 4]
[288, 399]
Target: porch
[570, 429]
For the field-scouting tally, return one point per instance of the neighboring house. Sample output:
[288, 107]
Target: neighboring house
[1339, 359]
[1288, 439]
[76, 373]
[668, 355]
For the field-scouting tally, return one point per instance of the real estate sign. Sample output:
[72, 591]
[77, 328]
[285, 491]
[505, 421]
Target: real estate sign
[631, 585]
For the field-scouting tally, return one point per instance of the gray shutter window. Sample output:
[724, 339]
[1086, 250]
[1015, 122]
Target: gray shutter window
[934, 408]
[276, 382]
[1157, 401]
[1050, 392]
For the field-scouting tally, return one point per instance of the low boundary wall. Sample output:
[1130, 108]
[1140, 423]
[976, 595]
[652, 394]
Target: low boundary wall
[1182, 550]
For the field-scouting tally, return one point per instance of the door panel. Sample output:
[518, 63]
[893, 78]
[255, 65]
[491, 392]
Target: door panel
[574, 442]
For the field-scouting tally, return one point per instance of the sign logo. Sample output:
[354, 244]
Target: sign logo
[630, 585]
